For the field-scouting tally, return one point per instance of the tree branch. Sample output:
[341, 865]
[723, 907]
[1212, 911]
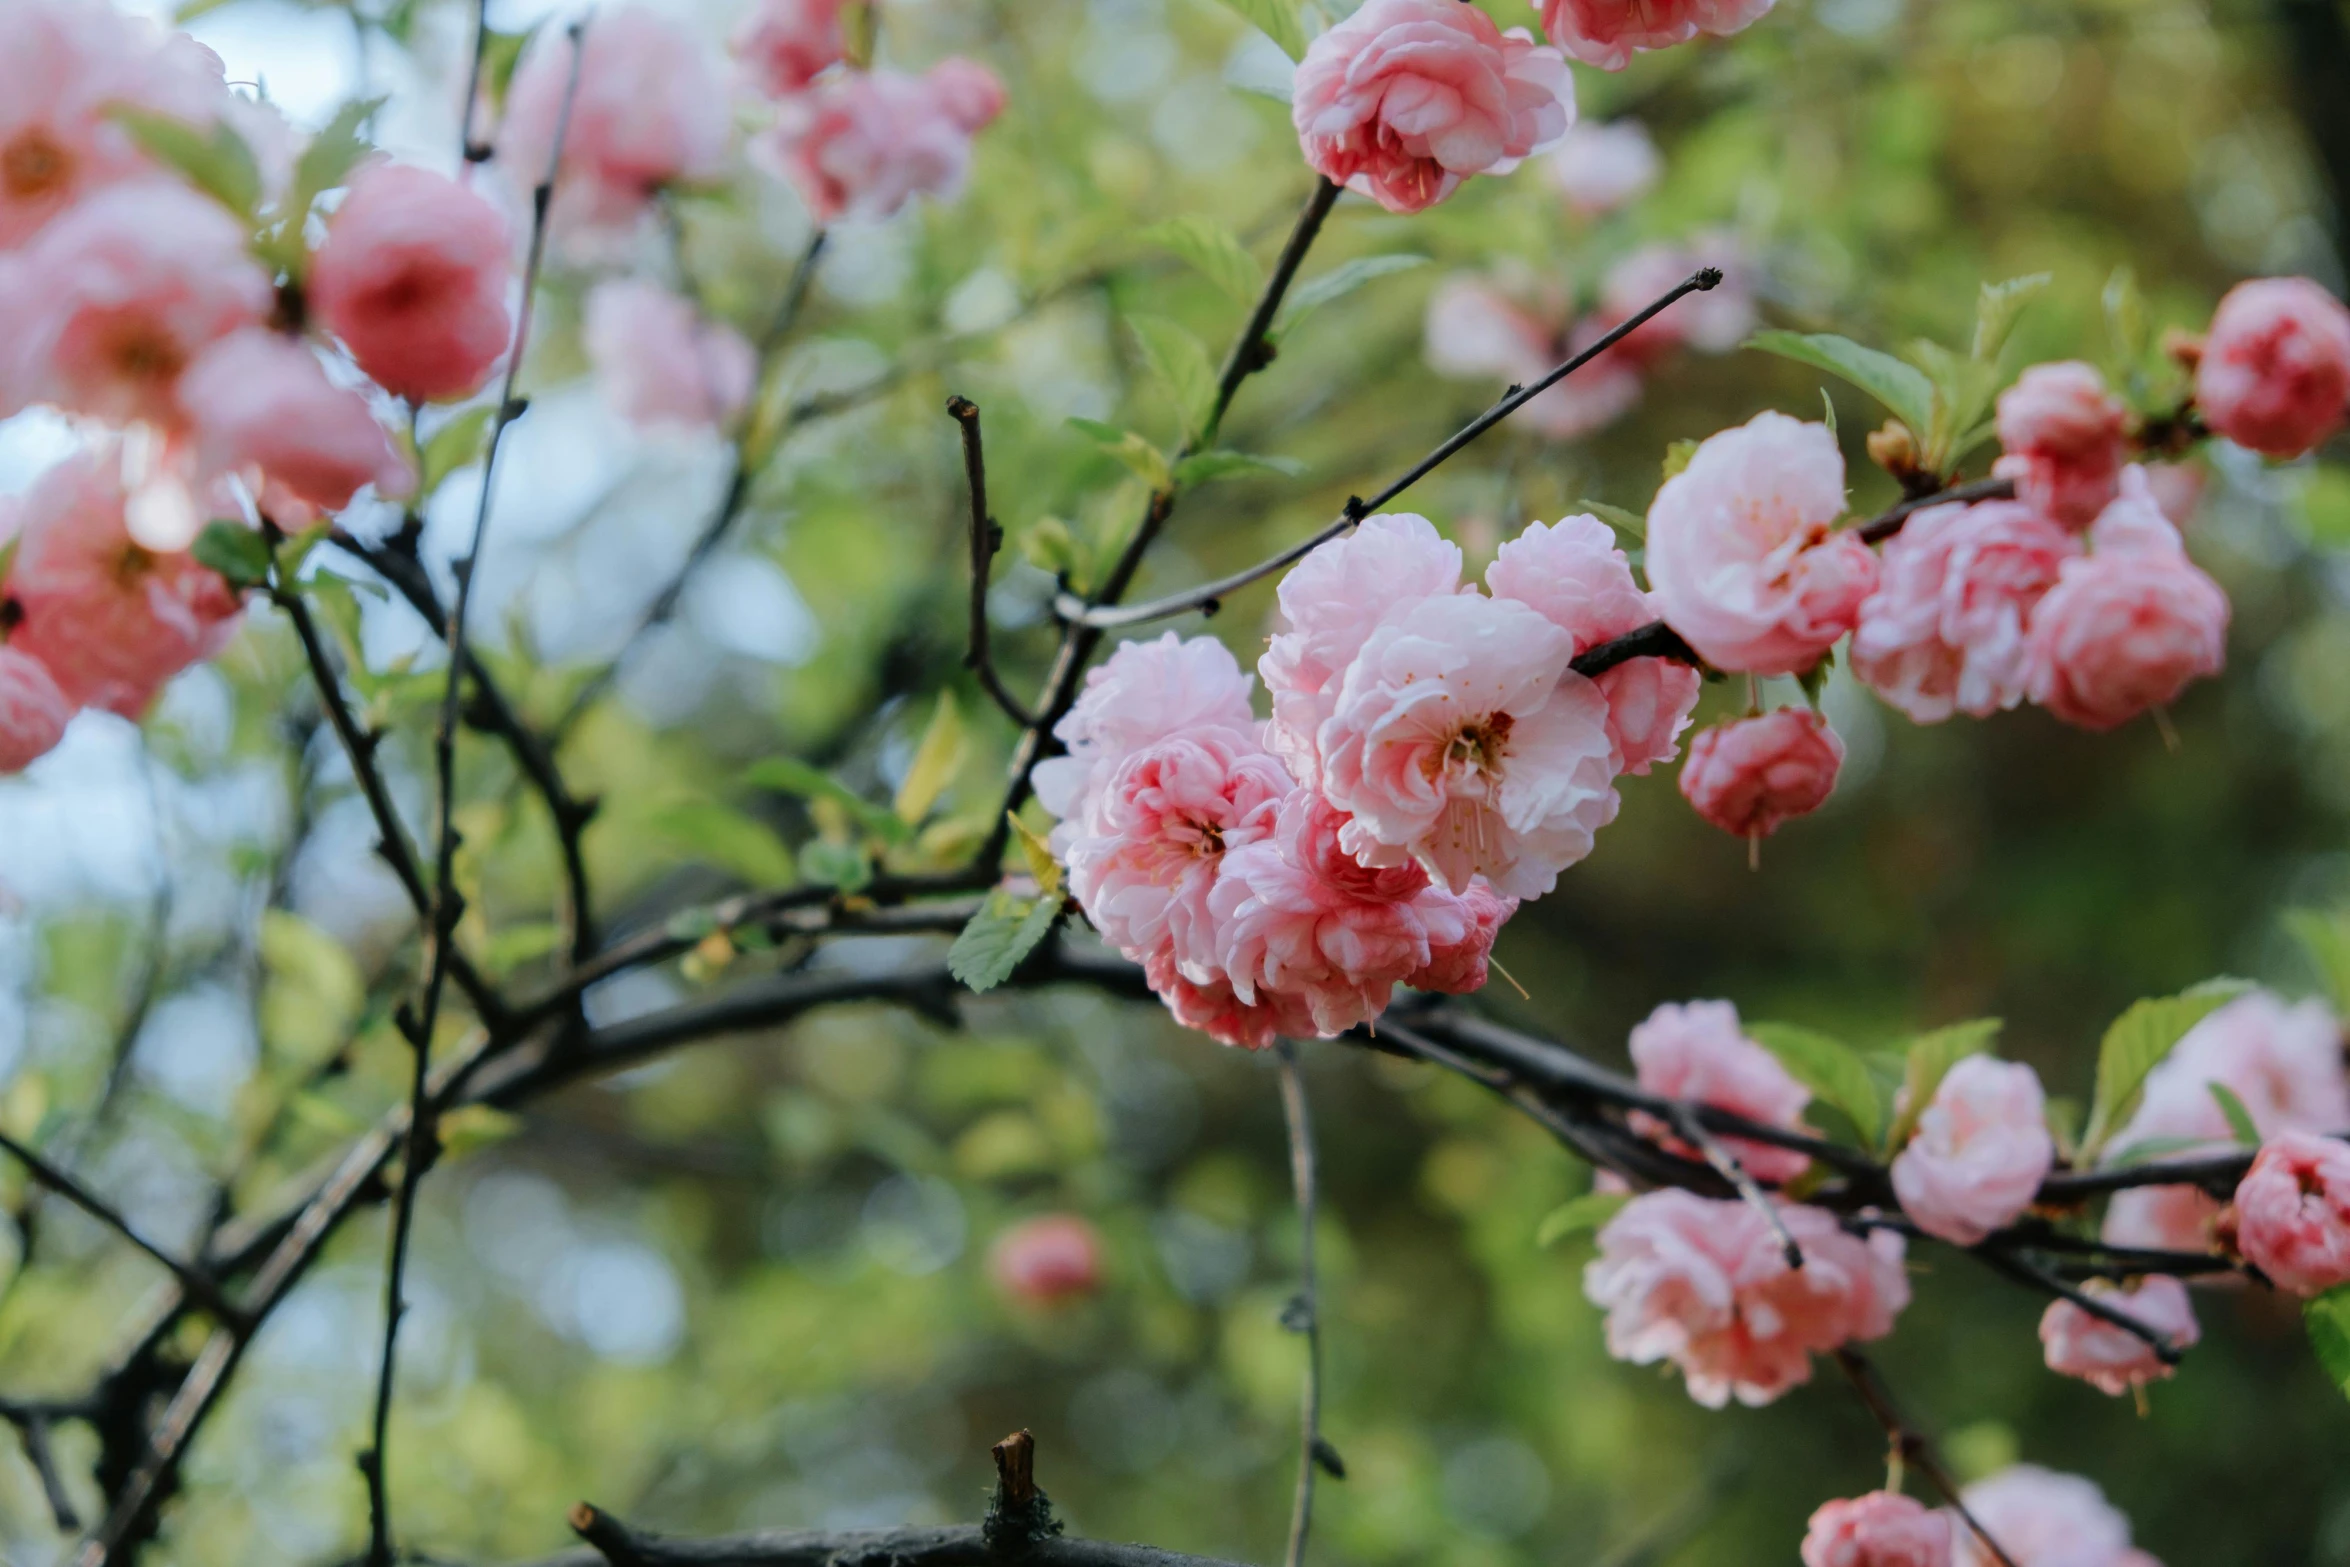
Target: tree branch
[1911, 1444]
[1888, 522]
[198, 1283]
[987, 536]
[1304, 1312]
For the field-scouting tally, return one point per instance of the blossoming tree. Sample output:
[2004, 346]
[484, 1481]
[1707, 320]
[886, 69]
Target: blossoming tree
[270, 354]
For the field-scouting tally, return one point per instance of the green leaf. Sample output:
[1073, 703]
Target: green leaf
[1900, 387]
[1181, 361]
[312, 989]
[514, 945]
[1036, 854]
[1630, 523]
[1830, 1068]
[1201, 467]
[935, 760]
[1587, 1212]
[1336, 284]
[1130, 449]
[1677, 457]
[1998, 308]
[1211, 250]
[834, 864]
[1926, 1060]
[1828, 404]
[237, 552]
[2328, 1320]
[330, 156]
[1050, 546]
[1279, 21]
[2137, 1043]
[719, 835]
[215, 159]
[2239, 1119]
[1005, 930]
[790, 775]
[454, 445]
[2326, 938]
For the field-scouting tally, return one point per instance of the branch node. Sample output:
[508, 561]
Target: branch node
[1021, 1514]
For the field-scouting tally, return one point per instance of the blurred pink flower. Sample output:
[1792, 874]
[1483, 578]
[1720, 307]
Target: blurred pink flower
[33, 712]
[1712, 321]
[412, 277]
[1461, 739]
[1944, 632]
[2292, 1212]
[2110, 1358]
[1696, 1050]
[783, 45]
[659, 362]
[2042, 1519]
[260, 406]
[1475, 332]
[2275, 371]
[1599, 166]
[2063, 435]
[1706, 1285]
[1881, 1529]
[1981, 1151]
[1740, 552]
[864, 144]
[1607, 33]
[650, 111]
[1047, 1261]
[1572, 574]
[1751, 776]
[1406, 98]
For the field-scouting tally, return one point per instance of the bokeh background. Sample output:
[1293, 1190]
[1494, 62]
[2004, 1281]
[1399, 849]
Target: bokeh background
[746, 1285]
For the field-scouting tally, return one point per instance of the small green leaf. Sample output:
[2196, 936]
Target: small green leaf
[1181, 361]
[1831, 1069]
[2325, 936]
[1211, 250]
[833, 864]
[1050, 546]
[330, 156]
[1900, 387]
[2147, 1149]
[935, 760]
[454, 445]
[1337, 283]
[237, 552]
[1129, 448]
[214, 159]
[2137, 1043]
[1201, 467]
[1629, 523]
[1005, 930]
[1036, 854]
[1677, 457]
[1926, 1060]
[721, 836]
[2328, 1320]
[790, 775]
[1998, 308]
[1279, 21]
[2239, 1119]
[1587, 1212]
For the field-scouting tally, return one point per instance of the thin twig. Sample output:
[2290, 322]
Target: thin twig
[1916, 1451]
[1104, 617]
[1888, 522]
[987, 536]
[193, 1279]
[2022, 1272]
[1304, 1313]
[468, 148]
[1728, 1167]
[33, 1431]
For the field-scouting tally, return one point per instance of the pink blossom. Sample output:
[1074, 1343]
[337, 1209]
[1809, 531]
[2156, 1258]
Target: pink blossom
[1048, 1260]
[1881, 1529]
[65, 66]
[412, 277]
[1217, 1011]
[1981, 1151]
[650, 111]
[1461, 739]
[1751, 776]
[1740, 553]
[1476, 331]
[2126, 627]
[1330, 603]
[1706, 1285]
[33, 712]
[1458, 968]
[1713, 321]
[2177, 488]
[784, 45]
[864, 144]
[1944, 632]
[659, 363]
[2284, 1063]
[1607, 33]
[2275, 371]
[2042, 1519]
[110, 619]
[1406, 98]
[1147, 855]
[2064, 438]
[106, 306]
[1143, 693]
[2292, 1218]
[1600, 167]
[1696, 1051]
[2110, 1358]
[261, 407]
[1573, 575]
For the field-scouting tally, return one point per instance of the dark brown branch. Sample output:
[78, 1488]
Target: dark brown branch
[987, 536]
[468, 148]
[959, 1545]
[33, 1431]
[2013, 1267]
[1103, 617]
[1915, 1450]
[1888, 522]
[198, 1283]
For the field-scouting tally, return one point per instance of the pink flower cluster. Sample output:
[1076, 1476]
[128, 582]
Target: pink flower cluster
[1696, 1051]
[1981, 1150]
[1706, 1285]
[2106, 1355]
[858, 143]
